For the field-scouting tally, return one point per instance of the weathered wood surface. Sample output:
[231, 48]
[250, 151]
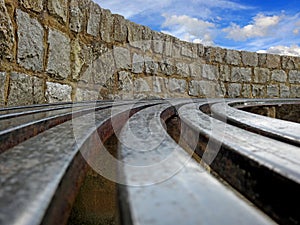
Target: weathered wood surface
[249, 171]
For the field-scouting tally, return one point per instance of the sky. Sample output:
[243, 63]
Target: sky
[271, 26]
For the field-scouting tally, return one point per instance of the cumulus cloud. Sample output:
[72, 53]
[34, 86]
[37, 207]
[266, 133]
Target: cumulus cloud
[189, 29]
[293, 50]
[261, 26]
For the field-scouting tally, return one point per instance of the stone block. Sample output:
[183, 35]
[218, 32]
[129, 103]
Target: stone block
[150, 65]
[25, 90]
[106, 25]
[135, 34]
[167, 67]
[34, 5]
[284, 91]
[288, 62]
[59, 64]
[182, 69]
[214, 54]
[240, 74]
[177, 85]
[196, 70]
[6, 33]
[56, 92]
[261, 75]
[2, 88]
[201, 50]
[120, 28]
[160, 85]
[246, 91]
[258, 91]
[77, 14]
[189, 50]
[225, 73]
[84, 94]
[295, 91]
[30, 45]
[59, 9]
[249, 58]
[138, 63]
[273, 90]
[176, 48]
[233, 57]
[158, 42]
[210, 72]
[279, 76]
[141, 85]
[93, 25]
[125, 81]
[122, 58]
[273, 61]
[234, 90]
[207, 89]
[262, 60]
[294, 76]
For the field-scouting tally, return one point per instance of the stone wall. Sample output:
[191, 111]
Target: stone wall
[73, 50]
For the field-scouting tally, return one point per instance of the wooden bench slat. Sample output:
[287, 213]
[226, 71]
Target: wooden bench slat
[165, 187]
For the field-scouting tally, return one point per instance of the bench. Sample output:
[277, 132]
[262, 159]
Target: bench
[223, 166]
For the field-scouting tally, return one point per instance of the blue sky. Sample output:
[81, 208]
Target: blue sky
[254, 25]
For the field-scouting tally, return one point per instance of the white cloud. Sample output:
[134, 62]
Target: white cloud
[293, 50]
[189, 29]
[261, 26]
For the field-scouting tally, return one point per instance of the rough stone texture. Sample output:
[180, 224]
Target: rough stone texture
[77, 58]
[262, 59]
[59, 9]
[225, 73]
[2, 88]
[240, 74]
[294, 76]
[249, 58]
[135, 34]
[120, 28]
[122, 58]
[210, 72]
[138, 63]
[273, 90]
[59, 55]
[141, 85]
[182, 69]
[77, 11]
[189, 50]
[284, 91]
[207, 89]
[258, 91]
[83, 94]
[233, 57]
[25, 90]
[234, 90]
[158, 44]
[125, 81]
[246, 91]
[279, 75]
[6, 33]
[201, 50]
[166, 66]
[150, 65]
[106, 25]
[196, 70]
[160, 85]
[58, 92]
[177, 85]
[93, 26]
[288, 62]
[261, 75]
[273, 61]
[35, 5]
[100, 70]
[295, 91]
[214, 54]
[30, 45]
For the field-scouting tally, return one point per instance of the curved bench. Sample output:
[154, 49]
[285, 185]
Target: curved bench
[46, 150]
